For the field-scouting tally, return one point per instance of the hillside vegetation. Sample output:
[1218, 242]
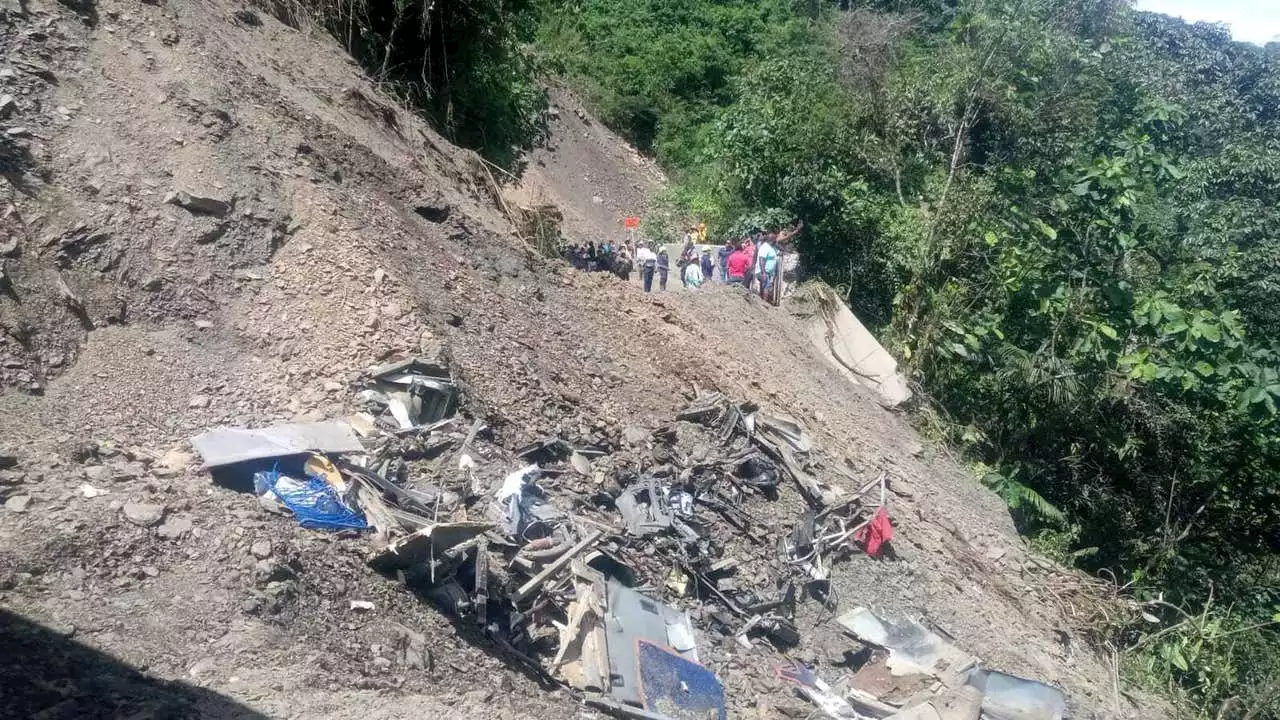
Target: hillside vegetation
[1062, 215]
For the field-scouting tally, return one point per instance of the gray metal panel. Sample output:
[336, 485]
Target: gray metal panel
[630, 616]
[225, 446]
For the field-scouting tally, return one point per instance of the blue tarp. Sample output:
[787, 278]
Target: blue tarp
[312, 501]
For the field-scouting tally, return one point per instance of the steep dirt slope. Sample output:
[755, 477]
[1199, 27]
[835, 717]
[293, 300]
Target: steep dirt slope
[588, 172]
[173, 321]
[351, 234]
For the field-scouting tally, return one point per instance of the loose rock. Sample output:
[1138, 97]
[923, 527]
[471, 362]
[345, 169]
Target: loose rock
[174, 462]
[17, 503]
[175, 528]
[198, 204]
[143, 514]
[635, 436]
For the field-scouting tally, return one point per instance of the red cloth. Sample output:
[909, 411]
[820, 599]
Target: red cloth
[738, 264]
[875, 534]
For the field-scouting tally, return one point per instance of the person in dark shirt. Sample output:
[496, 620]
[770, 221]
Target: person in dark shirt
[605, 263]
[664, 267]
[724, 254]
[622, 263]
[707, 266]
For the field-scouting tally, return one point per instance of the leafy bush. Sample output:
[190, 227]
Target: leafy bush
[461, 63]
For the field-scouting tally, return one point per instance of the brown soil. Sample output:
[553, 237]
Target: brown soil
[588, 172]
[356, 234]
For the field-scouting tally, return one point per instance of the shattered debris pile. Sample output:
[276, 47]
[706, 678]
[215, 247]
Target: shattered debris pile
[606, 563]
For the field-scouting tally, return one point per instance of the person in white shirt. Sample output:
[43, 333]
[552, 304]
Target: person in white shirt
[647, 260]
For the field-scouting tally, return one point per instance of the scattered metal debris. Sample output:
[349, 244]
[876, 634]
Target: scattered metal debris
[564, 561]
[1008, 697]
[913, 648]
[817, 692]
[417, 392]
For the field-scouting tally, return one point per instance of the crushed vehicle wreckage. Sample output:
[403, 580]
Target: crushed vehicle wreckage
[598, 563]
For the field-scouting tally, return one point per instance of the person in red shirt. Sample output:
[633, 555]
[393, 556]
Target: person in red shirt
[737, 266]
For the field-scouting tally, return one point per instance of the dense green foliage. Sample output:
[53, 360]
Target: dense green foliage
[660, 70]
[459, 62]
[1063, 215]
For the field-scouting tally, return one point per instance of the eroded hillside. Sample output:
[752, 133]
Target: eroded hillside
[216, 219]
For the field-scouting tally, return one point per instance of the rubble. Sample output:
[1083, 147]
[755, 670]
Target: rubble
[599, 561]
[913, 648]
[261, 549]
[418, 392]
[816, 691]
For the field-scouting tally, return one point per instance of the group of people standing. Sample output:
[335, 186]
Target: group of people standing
[605, 257]
[693, 268]
[754, 261]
